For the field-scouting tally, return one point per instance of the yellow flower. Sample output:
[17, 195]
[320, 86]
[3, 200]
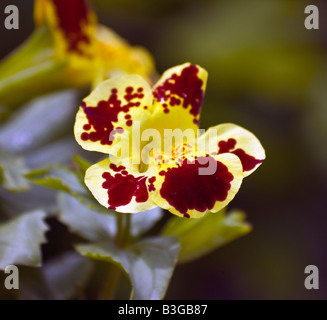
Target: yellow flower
[157, 156]
[67, 49]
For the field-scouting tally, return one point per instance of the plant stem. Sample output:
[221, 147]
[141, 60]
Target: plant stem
[120, 228]
[127, 233]
[111, 283]
[122, 238]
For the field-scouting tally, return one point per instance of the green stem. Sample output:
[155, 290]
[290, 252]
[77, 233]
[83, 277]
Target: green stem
[120, 228]
[122, 238]
[127, 233]
[111, 283]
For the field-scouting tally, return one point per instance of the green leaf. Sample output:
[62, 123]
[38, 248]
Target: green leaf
[32, 70]
[148, 263]
[64, 179]
[199, 237]
[58, 152]
[82, 164]
[12, 170]
[39, 122]
[85, 222]
[60, 278]
[57, 177]
[20, 239]
[95, 226]
[141, 222]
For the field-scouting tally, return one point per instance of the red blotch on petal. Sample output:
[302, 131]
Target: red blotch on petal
[185, 189]
[72, 15]
[248, 162]
[102, 117]
[151, 185]
[115, 168]
[187, 86]
[122, 188]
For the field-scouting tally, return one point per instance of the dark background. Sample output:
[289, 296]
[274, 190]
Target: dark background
[268, 74]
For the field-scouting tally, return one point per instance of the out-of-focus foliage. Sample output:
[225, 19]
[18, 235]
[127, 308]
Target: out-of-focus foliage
[63, 277]
[199, 237]
[20, 240]
[149, 263]
[12, 170]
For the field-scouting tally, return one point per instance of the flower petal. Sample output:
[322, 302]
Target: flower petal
[116, 55]
[230, 138]
[179, 95]
[120, 186]
[72, 23]
[110, 111]
[194, 185]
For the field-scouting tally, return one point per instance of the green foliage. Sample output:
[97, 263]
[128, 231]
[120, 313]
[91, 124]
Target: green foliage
[60, 278]
[12, 170]
[199, 237]
[31, 71]
[39, 122]
[63, 178]
[20, 239]
[87, 223]
[148, 263]
[57, 177]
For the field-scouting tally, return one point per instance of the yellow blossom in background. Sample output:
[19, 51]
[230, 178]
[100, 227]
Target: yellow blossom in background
[68, 49]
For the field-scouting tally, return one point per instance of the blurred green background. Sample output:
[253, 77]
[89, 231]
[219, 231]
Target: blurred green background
[268, 74]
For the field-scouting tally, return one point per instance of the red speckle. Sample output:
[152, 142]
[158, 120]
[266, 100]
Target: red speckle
[121, 189]
[174, 101]
[140, 89]
[128, 116]
[187, 86]
[102, 117]
[115, 168]
[151, 185]
[124, 172]
[84, 136]
[248, 162]
[185, 189]
[226, 146]
[72, 15]
[130, 95]
[145, 107]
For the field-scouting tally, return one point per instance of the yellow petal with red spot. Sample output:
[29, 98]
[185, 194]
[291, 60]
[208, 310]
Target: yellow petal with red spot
[119, 185]
[195, 184]
[72, 24]
[230, 138]
[111, 113]
[178, 97]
